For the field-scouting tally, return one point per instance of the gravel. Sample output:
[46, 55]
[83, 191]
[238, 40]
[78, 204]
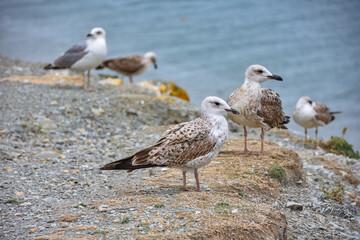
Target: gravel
[54, 138]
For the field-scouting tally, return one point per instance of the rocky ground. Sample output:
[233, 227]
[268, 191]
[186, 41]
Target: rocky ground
[54, 137]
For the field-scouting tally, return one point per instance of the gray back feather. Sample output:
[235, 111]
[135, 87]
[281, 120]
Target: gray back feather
[71, 56]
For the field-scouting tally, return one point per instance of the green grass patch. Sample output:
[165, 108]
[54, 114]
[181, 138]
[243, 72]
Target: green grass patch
[12, 201]
[125, 220]
[336, 193]
[222, 204]
[108, 76]
[159, 205]
[277, 171]
[340, 146]
[80, 204]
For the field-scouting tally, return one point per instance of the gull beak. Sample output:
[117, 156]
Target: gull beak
[155, 66]
[275, 77]
[89, 35]
[233, 111]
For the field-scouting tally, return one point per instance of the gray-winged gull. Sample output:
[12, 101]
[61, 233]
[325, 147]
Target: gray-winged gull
[131, 65]
[309, 114]
[188, 146]
[84, 56]
[258, 107]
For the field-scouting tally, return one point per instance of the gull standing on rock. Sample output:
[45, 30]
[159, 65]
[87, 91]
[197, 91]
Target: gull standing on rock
[84, 56]
[309, 114]
[187, 146]
[131, 65]
[258, 107]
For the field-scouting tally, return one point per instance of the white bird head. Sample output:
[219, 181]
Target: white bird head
[303, 101]
[258, 73]
[152, 57]
[97, 32]
[216, 106]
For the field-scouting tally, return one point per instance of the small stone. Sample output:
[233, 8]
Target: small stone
[9, 169]
[47, 123]
[26, 204]
[117, 220]
[18, 214]
[65, 171]
[103, 208]
[64, 225]
[62, 156]
[53, 103]
[98, 112]
[19, 194]
[76, 171]
[294, 206]
[33, 230]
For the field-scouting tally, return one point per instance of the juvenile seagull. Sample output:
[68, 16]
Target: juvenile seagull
[84, 56]
[131, 65]
[309, 114]
[258, 107]
[187, 146]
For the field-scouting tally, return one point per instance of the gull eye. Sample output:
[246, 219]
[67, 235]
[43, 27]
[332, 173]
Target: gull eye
[217, 103]
[260, 71]
[98, 32]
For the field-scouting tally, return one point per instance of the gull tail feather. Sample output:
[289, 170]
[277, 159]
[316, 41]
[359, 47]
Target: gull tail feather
[286, 121]
[50, 66]
[136, 161]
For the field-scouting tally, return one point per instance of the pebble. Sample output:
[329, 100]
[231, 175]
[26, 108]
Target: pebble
[103, 208]
[75, 141]
[294, 206]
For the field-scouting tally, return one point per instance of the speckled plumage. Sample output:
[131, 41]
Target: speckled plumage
[188, 146]
[258, 107]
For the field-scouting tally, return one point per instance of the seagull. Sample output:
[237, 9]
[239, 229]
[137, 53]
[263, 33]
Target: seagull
[131, 65]
[309, 114]
[258, 107]
[84, 56]
[187, 146]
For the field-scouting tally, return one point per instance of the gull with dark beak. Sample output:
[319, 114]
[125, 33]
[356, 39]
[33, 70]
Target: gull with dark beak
[131, 65]
[84, 56]
[187, 146]
[258, 107]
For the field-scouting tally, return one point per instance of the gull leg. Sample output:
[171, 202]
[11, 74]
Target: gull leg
[184, 181]
[305, 134]
[316, 138]
[87, 88]
[88, 79]
[131, 80]
[262, 144]
[196, 174]
[246, 151]
[84, 83]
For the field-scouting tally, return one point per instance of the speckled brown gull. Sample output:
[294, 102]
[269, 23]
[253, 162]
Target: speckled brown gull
[131, 65]
[258, 107]
[309, 114]
[187, 146]
[84, 56]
